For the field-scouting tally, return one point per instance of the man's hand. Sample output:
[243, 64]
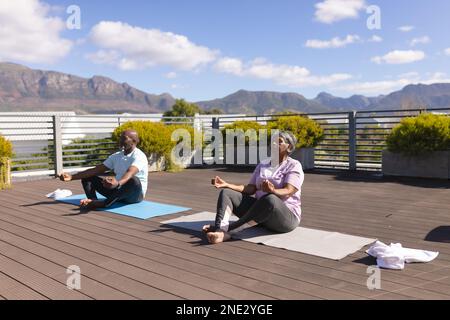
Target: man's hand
[267, 186]
[110, 182]
[218, 182]
[65, 177]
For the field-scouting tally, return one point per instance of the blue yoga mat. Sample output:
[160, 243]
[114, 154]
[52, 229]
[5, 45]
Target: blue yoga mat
[141, 210]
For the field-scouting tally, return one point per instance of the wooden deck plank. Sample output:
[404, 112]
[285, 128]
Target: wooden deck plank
[89, 286]
[137, 258]
[130, 255]
[365, 291]
[37, 281]
[178, 257]
[354, 288]
[114, 280]
[11, 289]
[155, 261]
[124, 263]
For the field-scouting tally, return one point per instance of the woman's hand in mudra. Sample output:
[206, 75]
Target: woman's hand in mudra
[267, 186]
[218, 182]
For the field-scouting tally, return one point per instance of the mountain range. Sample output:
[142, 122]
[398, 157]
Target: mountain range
[26, 89]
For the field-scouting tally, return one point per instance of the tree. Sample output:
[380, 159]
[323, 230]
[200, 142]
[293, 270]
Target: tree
[212, 111]
[182, 108]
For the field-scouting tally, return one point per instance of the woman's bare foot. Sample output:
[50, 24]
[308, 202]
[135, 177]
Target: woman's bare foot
[218, 237]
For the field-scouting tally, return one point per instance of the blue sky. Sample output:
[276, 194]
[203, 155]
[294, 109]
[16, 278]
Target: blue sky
[205, 49]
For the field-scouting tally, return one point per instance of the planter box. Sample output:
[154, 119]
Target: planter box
[434, 165]
[5, 173]
[250, 156]
[304, 155]
[158, 163]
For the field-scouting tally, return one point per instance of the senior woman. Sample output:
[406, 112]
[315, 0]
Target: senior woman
[271, 198]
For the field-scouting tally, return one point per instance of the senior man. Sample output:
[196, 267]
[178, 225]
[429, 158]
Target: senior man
[129, 185]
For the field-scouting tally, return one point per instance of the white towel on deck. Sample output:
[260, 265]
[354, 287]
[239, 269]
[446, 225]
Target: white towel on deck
[59, 193]
[394, 256]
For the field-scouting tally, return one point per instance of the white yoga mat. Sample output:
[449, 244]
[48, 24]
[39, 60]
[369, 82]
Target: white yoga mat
[325, 244]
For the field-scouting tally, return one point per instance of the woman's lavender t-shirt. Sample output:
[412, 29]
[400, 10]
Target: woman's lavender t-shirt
[289, 171]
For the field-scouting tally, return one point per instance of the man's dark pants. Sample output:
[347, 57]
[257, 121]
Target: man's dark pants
[130, 192]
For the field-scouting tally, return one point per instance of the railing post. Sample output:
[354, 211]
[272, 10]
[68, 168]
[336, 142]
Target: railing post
[57, 145]
[196, 122]
[215, 123]
[352, 140]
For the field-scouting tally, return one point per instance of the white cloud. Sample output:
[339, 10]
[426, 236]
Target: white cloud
[409, 75]
[421, 40]
[447, 51]
[139, 48]
[171, 75]
[333, 43]
[436, 77]
[376, 38]
[80, 41]
[375, 87]
[330, 11]
[286, 75]
[29, 34]
[400, 57]
[104, 57]
[56, 9]
[406, 28]
[385, 87]
[229, 65]
[179, 86]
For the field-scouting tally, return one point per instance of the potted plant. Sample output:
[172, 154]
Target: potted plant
[156, 143]
[6, 153]
[419, 147]
[308, 132]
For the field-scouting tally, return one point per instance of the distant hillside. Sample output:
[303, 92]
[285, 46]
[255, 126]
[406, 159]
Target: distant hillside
[259, 102]
[415, 96]
[25, 89]
[355, 102]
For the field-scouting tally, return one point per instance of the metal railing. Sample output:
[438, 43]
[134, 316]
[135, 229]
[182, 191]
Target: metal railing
[353, 140]
[46, 143]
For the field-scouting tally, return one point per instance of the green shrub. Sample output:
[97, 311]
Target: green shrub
[244, 125]
[308, 132]
[420, 135]
[6, 152]
[6, 148]
[155, 137]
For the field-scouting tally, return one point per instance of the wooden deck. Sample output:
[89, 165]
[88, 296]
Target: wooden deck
[127, 258]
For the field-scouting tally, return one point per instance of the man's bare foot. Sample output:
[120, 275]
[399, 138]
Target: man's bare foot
[89, 204]
[218, 237]
[85, 202]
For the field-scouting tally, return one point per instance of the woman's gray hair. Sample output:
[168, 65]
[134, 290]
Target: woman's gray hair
[290, 139]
